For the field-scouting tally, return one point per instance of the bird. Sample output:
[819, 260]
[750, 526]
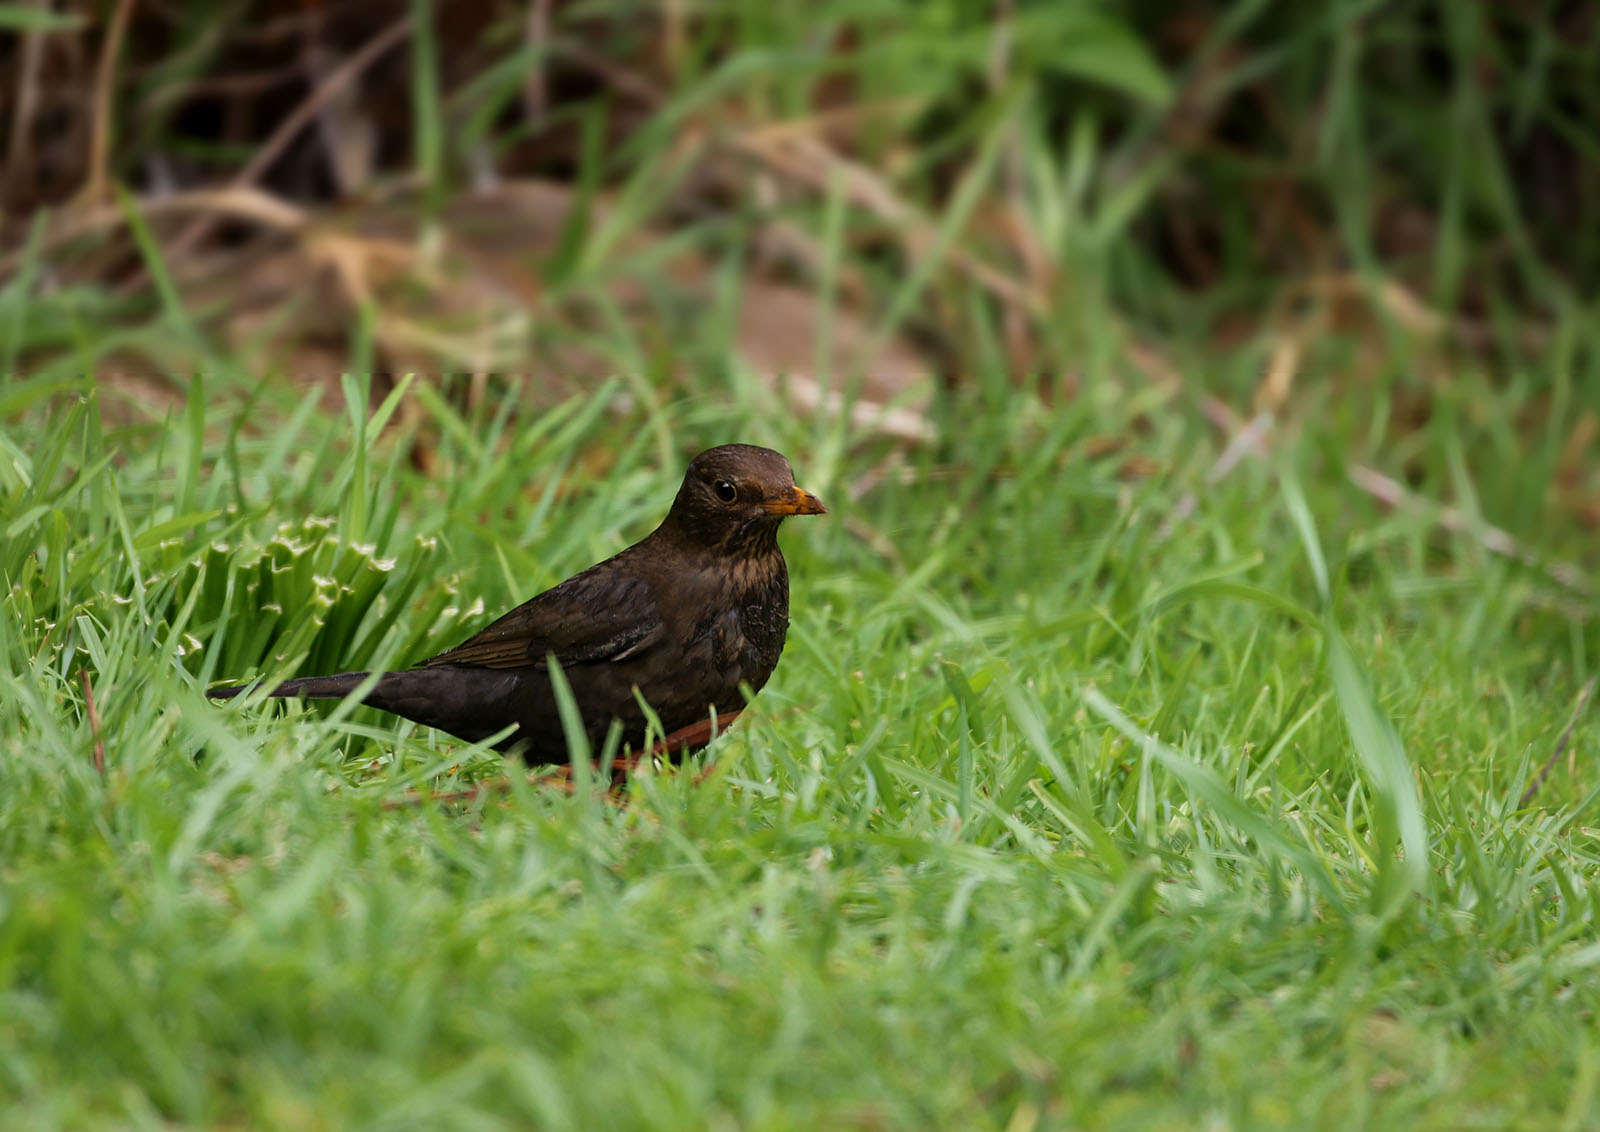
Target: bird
[687, 617]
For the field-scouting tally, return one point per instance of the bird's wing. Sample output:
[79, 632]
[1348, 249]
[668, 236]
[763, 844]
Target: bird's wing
[596, 615]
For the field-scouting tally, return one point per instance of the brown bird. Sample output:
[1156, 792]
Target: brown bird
[688, 615]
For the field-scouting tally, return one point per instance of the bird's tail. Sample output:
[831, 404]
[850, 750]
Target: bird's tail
[471, 703]
[334, 687]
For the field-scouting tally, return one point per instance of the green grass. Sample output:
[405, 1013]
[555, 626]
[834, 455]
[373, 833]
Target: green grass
[1057, 814]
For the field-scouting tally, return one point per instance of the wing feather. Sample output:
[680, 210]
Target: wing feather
[600, 614]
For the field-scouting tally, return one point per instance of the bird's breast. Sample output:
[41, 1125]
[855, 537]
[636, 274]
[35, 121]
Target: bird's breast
[740, 626]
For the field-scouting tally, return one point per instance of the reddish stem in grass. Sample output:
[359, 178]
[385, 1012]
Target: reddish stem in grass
[94, 722]
[680, 742]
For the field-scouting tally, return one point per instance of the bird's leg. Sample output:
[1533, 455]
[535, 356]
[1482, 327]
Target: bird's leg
[695, 736]
[680, 742]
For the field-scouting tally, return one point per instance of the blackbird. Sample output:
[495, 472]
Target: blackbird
[687, 616]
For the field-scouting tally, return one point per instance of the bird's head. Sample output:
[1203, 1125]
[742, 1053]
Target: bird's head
[736, 495]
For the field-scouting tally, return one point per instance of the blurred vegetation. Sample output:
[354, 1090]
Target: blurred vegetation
[979, 184]
[1255, 212]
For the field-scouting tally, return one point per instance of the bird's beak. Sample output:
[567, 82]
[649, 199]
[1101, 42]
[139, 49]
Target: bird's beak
[797, 502]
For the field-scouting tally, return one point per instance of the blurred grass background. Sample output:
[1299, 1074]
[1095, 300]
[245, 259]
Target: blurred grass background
[1184, 718]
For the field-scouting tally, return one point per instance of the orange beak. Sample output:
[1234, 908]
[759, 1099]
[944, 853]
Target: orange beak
[797, 502]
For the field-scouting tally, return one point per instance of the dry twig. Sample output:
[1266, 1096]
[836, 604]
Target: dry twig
[96, 185]
[1388, 490]
[243, 203]
[1561, 744]
[1246, 439]
[20, 150]
[1490, 537]
[302, 116]
[809, 160]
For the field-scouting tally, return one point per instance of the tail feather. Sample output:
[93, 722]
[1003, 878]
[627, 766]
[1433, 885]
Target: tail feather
[334, 687]
[470, 703]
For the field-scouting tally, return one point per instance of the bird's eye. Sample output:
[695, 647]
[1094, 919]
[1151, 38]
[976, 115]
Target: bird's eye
[725, 491]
